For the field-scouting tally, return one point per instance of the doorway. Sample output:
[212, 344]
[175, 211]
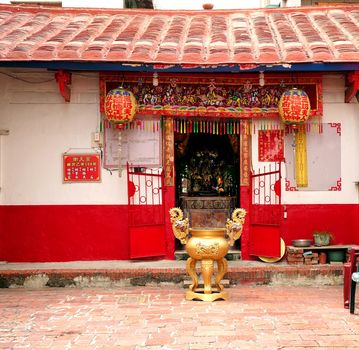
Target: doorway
[207, 178]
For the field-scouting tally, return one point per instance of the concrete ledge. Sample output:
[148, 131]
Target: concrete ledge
[238, 272]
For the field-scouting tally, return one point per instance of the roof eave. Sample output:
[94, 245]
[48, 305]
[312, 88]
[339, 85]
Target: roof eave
[183, 68]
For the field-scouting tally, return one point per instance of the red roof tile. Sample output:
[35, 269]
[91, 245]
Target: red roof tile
[260, 36]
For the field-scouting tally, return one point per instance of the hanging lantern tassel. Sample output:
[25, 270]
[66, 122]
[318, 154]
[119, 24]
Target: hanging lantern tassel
[294, 109]
[119, 145]
[120, 109]
[301, 167]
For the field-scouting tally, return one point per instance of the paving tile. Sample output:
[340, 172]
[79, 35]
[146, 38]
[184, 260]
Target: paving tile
[159, 318]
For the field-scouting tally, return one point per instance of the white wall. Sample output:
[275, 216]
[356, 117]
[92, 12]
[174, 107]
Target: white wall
[84, 3]
[93, 3]
[1, 166]
[335, 111]
[291, 3]
[42, 126]
[197, 4]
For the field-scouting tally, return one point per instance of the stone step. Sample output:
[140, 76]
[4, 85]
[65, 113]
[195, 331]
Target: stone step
[142, 273]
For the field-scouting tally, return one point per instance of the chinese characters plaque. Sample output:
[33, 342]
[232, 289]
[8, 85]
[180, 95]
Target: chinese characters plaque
[270, 146]
[81, 168]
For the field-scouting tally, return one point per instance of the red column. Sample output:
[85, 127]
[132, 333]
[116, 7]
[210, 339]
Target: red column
[245, 198]
[169, 189]
[245, 161]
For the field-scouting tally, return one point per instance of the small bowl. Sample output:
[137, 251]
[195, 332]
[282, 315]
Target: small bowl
[302, 242]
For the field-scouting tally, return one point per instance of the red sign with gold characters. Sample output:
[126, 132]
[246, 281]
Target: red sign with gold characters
[82, 167]
[270, 145]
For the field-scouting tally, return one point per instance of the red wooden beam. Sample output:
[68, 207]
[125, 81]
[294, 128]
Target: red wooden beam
[352, 86]
[63, 79]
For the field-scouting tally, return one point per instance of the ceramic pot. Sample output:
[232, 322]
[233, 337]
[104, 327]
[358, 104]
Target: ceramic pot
[321, 239]
[322, 258]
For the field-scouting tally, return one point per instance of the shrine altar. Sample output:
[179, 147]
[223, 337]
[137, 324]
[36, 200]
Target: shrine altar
[207, 211]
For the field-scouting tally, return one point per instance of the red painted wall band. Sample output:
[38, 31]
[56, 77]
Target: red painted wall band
[342, 220]
[40, 233]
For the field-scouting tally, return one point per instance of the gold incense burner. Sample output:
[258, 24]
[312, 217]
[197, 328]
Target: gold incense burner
[207, 245]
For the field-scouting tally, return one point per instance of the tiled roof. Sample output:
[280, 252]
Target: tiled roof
[259, 36]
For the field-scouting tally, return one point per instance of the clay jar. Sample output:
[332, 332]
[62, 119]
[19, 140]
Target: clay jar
[322, 258]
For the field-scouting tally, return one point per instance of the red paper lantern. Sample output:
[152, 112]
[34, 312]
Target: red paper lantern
[120, 106]
[294, 106]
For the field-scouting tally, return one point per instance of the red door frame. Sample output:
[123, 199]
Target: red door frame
[266, 212]
[146, 212]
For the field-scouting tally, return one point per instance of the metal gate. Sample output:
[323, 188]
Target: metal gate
[146, 212]
[266, 212]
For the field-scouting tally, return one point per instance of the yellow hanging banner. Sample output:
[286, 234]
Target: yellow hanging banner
[301, 167]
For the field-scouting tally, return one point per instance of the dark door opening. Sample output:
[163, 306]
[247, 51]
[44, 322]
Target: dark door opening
[207, 178]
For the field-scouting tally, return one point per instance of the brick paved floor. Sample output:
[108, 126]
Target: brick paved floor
[154, 318]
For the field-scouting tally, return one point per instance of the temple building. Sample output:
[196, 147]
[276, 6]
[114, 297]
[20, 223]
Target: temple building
[110, 117]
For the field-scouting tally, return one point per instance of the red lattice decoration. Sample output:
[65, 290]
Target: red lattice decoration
[338, 187]
[289, 187]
